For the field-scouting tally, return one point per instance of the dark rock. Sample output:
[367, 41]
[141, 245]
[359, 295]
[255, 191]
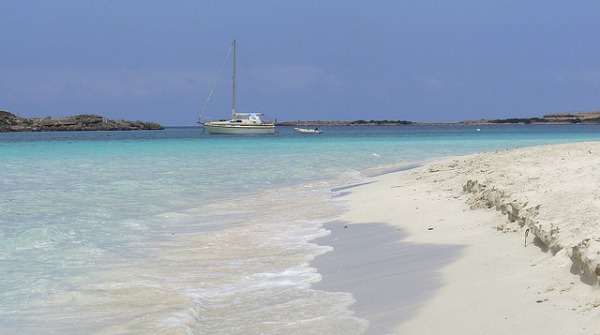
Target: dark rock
[12, 123]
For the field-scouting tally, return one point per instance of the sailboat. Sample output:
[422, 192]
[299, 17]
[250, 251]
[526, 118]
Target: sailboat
[240, 123]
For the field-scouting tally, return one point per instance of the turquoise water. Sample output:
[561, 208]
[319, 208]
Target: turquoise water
[179, 232]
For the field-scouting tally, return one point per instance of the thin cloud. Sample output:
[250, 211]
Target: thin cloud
[431, 83]
[296, 78]
[97, 84]
[588, 78]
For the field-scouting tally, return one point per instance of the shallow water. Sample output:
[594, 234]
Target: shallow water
[178, 232]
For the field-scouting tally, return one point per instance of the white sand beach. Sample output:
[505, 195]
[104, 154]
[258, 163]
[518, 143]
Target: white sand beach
[476, 211]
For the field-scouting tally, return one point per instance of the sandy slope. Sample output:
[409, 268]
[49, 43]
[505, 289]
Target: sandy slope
[484, 203]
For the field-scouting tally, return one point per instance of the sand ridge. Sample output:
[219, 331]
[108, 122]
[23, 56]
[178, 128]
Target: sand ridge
[502, 282]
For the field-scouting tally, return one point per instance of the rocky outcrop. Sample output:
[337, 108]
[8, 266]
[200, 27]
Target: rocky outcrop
[84, 122]
[574, 117]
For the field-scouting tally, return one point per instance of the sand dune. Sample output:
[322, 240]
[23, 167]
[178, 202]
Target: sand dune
[527, 222]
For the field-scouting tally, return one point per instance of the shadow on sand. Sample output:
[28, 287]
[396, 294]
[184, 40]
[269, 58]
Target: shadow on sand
[389, 279]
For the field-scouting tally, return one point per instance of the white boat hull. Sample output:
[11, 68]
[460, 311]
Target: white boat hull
[238, 129]
[307, 131]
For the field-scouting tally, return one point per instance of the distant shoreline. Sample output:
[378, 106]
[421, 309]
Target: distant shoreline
[558, 119]
[415, 124]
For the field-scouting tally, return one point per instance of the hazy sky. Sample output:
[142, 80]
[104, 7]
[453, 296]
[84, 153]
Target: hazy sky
[327, 59]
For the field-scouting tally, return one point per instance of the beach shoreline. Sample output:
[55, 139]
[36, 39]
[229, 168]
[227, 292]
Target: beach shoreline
[478, 208]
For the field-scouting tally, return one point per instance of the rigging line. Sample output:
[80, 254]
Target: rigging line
[213, 87]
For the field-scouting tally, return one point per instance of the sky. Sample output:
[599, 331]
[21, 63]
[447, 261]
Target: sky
[422, 61]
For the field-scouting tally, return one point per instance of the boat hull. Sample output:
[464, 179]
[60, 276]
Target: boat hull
[239, 129]
[307, 131]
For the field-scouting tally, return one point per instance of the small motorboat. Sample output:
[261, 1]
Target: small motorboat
[308, 131]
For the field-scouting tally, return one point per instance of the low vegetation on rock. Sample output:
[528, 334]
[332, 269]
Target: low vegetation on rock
[12, 123]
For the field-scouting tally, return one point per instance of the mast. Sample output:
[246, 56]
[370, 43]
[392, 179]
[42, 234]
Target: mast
[233, 85]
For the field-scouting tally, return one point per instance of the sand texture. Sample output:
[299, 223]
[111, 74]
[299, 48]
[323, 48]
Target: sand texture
[523, 227]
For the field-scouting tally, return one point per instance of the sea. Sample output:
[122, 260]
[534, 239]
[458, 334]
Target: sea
[181, 232]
